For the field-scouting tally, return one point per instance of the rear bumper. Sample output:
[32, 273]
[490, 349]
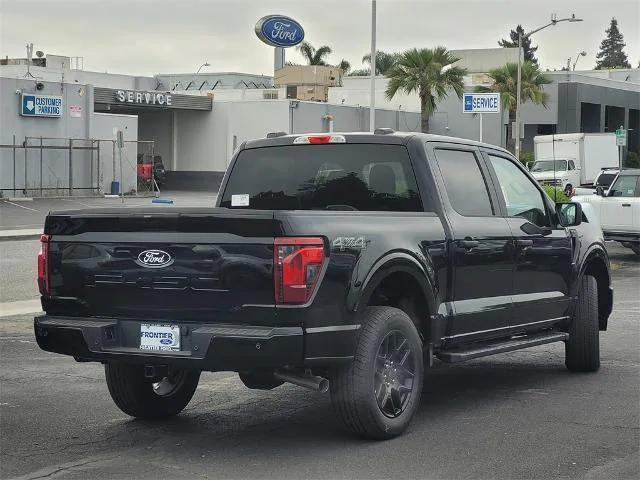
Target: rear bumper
[204, 346]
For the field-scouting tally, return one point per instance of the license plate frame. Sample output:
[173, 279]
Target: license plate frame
[160, 337]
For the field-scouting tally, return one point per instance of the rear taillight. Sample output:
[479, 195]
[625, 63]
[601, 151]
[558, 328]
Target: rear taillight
[297, 264]
[43, 266]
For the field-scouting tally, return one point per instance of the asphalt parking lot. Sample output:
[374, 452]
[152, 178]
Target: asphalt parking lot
[21, 214]
[519, 415]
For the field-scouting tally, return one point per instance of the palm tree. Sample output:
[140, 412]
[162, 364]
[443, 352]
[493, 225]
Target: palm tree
[314, 56]
[384, 61]
[344, 65]
[423, 71]
[505, 82]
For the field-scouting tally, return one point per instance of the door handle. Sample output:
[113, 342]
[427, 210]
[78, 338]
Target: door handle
[626, 204]
[468, 243]
[524, 243]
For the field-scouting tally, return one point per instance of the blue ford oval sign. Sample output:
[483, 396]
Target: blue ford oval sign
[279, 31]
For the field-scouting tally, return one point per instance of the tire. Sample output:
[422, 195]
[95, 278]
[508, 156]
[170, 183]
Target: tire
[139, 397]
[568, 189]
[582, 350]
[359, 389]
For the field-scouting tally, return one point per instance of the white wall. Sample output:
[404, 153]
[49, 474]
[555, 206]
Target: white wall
[102, 127]
[205, 140]
[81, 77]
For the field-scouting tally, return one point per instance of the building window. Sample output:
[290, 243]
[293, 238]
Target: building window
[270, 94]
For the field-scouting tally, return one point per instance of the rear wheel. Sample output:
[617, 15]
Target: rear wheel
[582, 350]
[142, 397]
[378, 393]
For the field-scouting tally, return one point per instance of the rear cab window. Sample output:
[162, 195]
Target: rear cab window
[363, 177]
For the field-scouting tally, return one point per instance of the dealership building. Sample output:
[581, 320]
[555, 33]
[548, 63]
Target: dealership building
[58, 124]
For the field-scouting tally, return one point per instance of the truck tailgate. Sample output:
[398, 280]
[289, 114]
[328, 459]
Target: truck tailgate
[200, 265]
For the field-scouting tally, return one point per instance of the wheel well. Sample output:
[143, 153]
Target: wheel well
[402, 290]
[597, 268]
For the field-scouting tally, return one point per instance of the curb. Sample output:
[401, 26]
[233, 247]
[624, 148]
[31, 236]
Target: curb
[31, 234]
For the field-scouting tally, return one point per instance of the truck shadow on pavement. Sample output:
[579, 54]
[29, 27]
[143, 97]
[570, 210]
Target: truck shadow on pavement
[298, 417]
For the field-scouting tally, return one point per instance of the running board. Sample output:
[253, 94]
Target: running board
[491, 348]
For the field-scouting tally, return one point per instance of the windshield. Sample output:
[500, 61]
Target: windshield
[605, 179]
[548, 166]
[323, 177]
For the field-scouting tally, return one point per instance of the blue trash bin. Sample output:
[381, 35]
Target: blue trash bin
[115, 188]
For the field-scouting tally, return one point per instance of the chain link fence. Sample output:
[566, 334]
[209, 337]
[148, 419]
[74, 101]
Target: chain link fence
[54, 166]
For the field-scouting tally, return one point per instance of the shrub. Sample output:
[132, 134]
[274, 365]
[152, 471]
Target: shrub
[633, 160]
[526, 157]
[556, 194]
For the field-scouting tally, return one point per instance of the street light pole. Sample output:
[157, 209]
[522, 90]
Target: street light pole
[521, 37]
[518, 89]
[581, 54]
[203, 65]
[372, 104]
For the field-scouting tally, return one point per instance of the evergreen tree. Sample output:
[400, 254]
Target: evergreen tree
[611, 54]
[529, 51]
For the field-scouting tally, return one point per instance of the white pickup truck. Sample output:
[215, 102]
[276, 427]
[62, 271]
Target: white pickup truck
[618, 209]
[604, 179]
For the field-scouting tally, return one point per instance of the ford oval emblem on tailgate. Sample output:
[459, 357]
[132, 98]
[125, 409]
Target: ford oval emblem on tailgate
[154, 259]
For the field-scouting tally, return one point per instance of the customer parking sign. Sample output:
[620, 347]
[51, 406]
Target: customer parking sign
[33, 105]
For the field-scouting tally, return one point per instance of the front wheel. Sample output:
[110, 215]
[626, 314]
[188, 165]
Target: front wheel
[142, 397]
[568, 190]
[378, 393]
[582, 350]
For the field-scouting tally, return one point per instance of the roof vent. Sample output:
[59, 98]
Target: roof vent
[384, 131]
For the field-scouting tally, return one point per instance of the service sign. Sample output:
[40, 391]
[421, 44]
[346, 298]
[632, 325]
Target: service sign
[144, 98]
[279, 31]
[34, 105]
[481, 103]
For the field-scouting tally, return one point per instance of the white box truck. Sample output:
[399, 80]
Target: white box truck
[570, 160]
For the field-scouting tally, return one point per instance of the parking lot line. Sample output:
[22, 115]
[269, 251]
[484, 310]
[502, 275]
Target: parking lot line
[21, 206]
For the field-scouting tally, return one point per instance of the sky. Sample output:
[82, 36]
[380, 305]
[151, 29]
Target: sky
[145, 37]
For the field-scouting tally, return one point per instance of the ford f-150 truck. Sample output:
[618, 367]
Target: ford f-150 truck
[341, 262]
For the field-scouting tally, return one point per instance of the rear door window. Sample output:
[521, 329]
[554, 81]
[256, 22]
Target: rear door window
[365, 177]
[464, 183]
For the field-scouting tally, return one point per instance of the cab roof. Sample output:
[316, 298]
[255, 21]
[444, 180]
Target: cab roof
[390, 138]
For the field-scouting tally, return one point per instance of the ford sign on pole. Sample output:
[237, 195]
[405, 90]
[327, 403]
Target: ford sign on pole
[279, 31]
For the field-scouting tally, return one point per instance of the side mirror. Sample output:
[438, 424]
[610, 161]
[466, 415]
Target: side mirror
[600, 190]
[569, 214]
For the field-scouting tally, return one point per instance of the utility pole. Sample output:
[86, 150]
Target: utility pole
[372, 104]
[521, 37]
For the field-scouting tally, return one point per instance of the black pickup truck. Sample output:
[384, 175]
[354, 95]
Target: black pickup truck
[341, 262]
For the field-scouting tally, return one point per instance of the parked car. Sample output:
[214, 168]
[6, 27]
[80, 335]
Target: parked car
[144, 168]
[618, 209]
[347, 262]
[603, 179]
[571, 160]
